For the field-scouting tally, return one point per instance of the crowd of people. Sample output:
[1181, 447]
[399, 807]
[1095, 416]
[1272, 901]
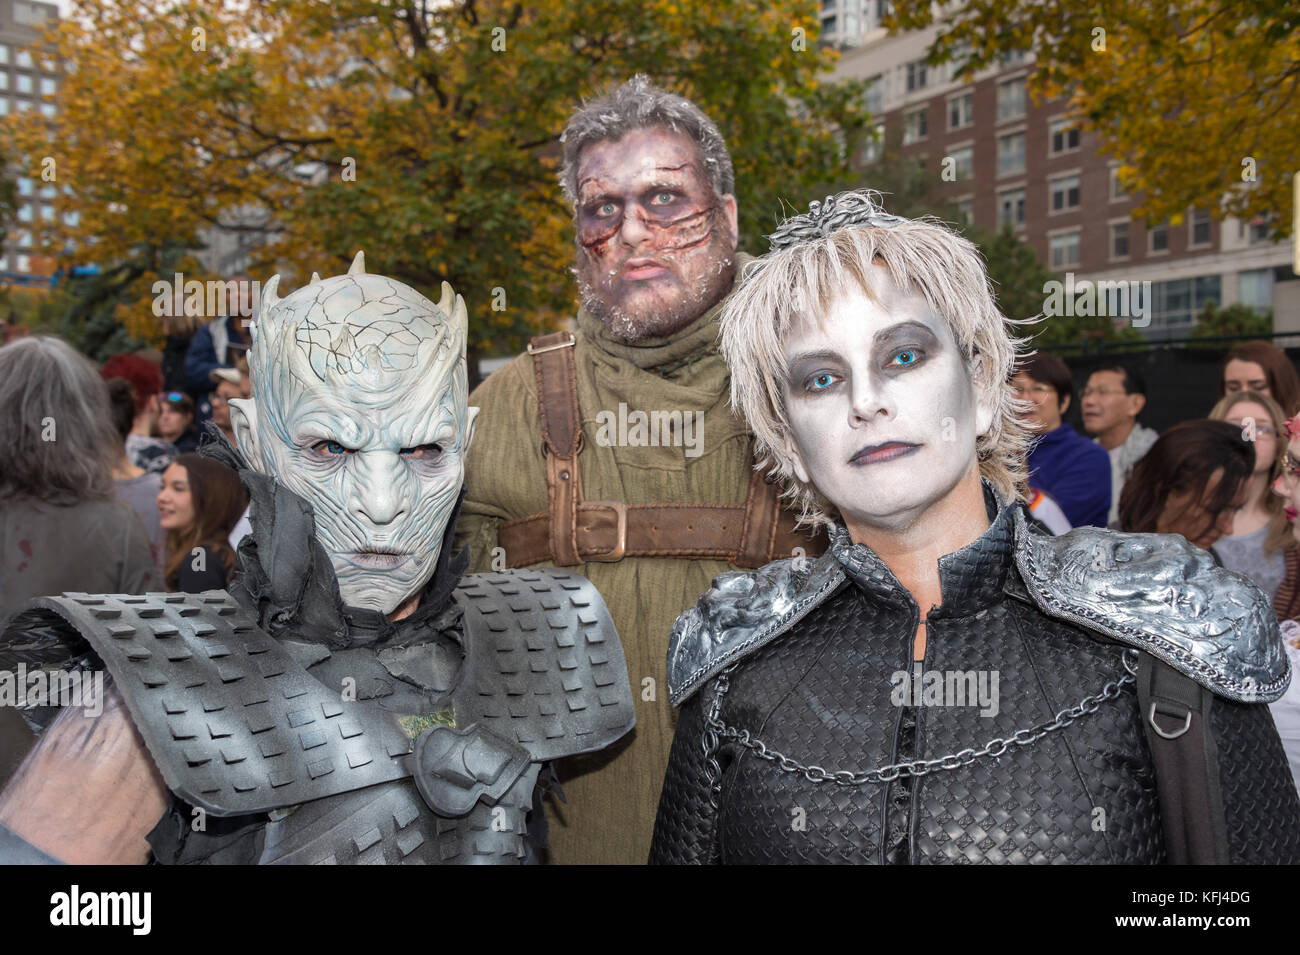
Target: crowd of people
[109, 494]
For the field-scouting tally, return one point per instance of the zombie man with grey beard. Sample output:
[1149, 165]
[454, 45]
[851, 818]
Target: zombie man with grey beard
[612, 449]
[354, 698]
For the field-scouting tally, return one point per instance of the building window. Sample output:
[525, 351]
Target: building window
[875, 94]
[914, 126]
[1063, 194]
[23, 238]
[4, 262]
[874, 145]
[1119, 240]
[47, 86]
[23, 83]
[22, 105]
[1011, 100]
[1011, 154]
[25, 187]
[916, 75]
[965, 210]
[72, 218]
[23, 60]
[963, 163]
[883, 9]
[1199, 228]
[1158, 238]
[1011, 208]
[1064, 135]
[47, 212]
[1256, 230]
[4, 54]
[4, 80]
[1117, 190]
[961, 111]
[1065, 250]
[828, 25]
[24, 213]
[47, 109]
[1014, 58]
[1255, 289]
[4, 106]
[23, 263]
[1178, 302]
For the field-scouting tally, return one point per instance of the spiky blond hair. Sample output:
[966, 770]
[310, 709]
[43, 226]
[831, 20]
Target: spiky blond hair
[832, 248]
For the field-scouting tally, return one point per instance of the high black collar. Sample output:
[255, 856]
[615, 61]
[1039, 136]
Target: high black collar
[971, 578]
[288, 579]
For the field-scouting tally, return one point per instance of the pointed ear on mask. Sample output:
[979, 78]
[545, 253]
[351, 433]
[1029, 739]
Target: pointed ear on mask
[243, 421]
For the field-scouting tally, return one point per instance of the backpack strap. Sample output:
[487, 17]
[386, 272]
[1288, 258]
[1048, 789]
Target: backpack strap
[557, 399]
[1175, 713]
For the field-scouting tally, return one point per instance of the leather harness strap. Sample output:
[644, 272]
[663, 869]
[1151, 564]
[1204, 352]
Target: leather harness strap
[557, 395]
[572, 531]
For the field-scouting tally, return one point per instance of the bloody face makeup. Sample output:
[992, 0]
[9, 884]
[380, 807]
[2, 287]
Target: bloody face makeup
[656, 245]
[882, 409]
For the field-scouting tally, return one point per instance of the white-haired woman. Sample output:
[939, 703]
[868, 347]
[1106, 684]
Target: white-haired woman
[945, 684]
[61, 526]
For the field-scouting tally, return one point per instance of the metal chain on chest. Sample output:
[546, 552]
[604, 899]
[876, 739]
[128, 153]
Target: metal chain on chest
[713, 730]
[717, 731]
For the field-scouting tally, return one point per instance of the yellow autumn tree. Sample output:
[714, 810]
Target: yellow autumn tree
[424, 133]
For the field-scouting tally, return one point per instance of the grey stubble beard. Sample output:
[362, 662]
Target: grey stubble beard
[634, 325]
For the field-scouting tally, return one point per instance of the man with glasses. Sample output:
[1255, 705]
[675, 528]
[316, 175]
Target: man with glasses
[1113, 399]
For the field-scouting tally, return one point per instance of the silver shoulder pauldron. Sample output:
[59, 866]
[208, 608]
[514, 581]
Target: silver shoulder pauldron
[1158, 593]
[743, 611]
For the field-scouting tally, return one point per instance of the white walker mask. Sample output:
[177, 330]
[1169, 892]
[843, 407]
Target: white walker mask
[360, 407]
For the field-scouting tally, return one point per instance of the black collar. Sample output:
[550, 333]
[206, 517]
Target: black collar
[972, 578]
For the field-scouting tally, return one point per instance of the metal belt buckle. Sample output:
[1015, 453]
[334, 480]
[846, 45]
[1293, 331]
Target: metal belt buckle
[620, 544]
[564, 344]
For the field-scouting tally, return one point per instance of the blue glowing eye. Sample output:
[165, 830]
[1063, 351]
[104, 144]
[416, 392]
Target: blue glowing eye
[906, 358]
[821, 382]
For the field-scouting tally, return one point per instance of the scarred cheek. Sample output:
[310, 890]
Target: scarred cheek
[682, 234]
[595, 240]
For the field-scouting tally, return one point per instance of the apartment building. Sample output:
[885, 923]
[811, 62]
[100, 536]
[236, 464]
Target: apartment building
[1002, 158]
[24, 84]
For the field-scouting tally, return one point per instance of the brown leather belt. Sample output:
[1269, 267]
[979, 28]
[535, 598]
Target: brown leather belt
[612, 530]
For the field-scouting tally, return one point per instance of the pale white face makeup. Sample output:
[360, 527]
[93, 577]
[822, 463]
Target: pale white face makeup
[882, 408]
[362, 412]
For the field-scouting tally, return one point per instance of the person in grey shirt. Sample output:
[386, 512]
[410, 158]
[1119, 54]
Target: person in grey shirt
[1113, 399]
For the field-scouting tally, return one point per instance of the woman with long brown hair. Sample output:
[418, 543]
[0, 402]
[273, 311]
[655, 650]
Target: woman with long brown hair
[200, 501]
[1260, 533]
[1261, 366]
[1191, 482]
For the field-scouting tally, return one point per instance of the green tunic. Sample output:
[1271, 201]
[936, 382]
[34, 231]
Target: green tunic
[612, 796]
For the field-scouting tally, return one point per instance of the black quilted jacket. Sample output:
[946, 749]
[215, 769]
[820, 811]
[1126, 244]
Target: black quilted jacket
[826, 696]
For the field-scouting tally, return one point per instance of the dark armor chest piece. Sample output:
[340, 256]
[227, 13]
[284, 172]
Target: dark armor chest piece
[455, 768]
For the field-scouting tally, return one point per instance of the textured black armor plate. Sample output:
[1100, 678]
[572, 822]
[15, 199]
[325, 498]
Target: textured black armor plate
[545, 666]
[232, 722]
